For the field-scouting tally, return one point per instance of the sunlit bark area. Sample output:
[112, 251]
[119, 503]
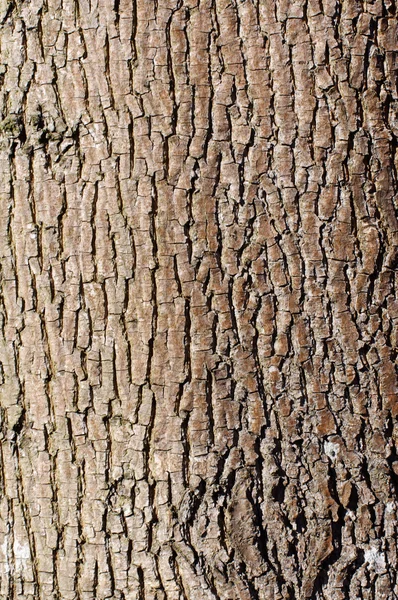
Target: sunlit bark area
[198, 311]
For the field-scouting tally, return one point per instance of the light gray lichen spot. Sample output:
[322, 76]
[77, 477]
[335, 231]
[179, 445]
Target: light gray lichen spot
[375, 560]
[331, 449]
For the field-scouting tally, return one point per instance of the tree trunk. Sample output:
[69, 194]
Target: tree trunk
[198, 245]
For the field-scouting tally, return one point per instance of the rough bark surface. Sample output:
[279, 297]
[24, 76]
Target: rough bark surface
[198, 317]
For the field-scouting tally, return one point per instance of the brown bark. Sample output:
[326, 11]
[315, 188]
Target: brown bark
[198, 245]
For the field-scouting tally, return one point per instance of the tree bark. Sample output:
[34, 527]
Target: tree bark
[198, 246]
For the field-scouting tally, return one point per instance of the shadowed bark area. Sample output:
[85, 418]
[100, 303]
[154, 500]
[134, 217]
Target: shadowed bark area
[198, 313]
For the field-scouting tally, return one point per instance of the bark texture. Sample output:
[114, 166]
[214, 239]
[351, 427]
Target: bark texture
[198, 312]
